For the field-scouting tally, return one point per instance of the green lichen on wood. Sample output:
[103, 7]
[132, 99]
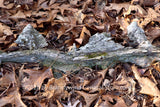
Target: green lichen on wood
[97, 54]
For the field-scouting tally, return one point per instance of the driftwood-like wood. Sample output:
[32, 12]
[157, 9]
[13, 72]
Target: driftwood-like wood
[67, 62]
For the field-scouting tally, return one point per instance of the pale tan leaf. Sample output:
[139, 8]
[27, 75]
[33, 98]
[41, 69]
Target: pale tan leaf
[136, 8]
[84, 36]
[13, 97]
[1, 4]
[5, 29]
[89, 98]
[109, 98]
[36, 78]
[79, 40]
[18, 15]
[55, 88]
[147, 86]
[118, 7]
[152, 14]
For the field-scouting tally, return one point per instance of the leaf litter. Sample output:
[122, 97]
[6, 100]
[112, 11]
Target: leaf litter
[65, 23]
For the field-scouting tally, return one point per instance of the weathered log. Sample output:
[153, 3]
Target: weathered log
[67, 62]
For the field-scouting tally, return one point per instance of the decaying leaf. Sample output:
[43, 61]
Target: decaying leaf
[18, 15]
[112, 101]
[35, 78]
[13, 97]
[55, 88]
[89, 98]
[5, 29]
[84, 36]
[9, 88]
[136, 8]
[76, 104]
[147, 86]
[151, 16]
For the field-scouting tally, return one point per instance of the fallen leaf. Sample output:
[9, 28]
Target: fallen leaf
[10, 83]
[149, 2]
[79, 16]
[153, 34]
[157, 7]
[117, 7]
[84, 36]
[55, 88]
[89, 98]
[147, 86]
[76, 103]
[35, 78]
[5, 29]
[112, 101]
[12, 97]
[18, 15]
[151, 16]
[1, 4]
[61, 31]
[124, 84]
[136, 8]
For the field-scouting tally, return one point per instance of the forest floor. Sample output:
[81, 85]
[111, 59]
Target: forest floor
[63, 24]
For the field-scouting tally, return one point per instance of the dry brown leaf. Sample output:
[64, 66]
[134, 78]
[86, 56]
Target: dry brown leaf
[103, 72]
[12, 97]
[124, 23]
[11, 93]
[55, 88]
[76, 103]
[153, 34]
[10, 5]
[156, 65]
[148, 2]
[67, 7]
[52, 2]
[157, 7]
[39, 14]
[1, 4]
[73, 2]
[28, 13]
[136, 8]
[36, 78]
[59, 104]
[89, 98]
[79, 16]
[24, 2]
[151, 16]
[61, 31]
[124, 84]
[112, 101]
[44, 6]
[156, 101]
[93, 85]
[62, 19]
[5, 29]
[6, 81]
[47, 18]
[40, 2]
[118, 7]
[18, 15]
[84, 36]
[147, 86]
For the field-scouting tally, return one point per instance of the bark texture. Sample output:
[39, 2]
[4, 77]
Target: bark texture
[67, 62]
